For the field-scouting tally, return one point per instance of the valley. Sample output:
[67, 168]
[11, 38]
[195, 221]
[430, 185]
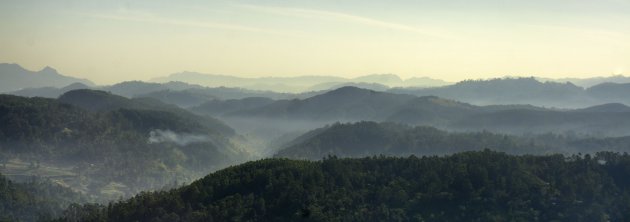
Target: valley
[240, 110]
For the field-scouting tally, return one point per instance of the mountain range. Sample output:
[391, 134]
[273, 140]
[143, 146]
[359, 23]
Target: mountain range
[588, 82]
[178, 93]
[479, 92]
[316, 109]
[429, 150]
[299, 83]
[355, 104]
[526, 91]
[14, 78]
[188, 89]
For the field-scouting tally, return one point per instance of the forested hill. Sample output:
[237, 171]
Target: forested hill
[469, 186]
[95, 100]
[111, 153]
[35, 200]
[363, 139]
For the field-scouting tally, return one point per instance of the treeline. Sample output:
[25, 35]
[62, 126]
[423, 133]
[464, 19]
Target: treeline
[35, 200]
[469, 186]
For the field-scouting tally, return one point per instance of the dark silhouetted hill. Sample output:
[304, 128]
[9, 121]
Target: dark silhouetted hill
[470, 186]
[34, 200]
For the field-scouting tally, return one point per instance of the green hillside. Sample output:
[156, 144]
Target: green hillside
[470, 186]
[35, 200]
[111, 152]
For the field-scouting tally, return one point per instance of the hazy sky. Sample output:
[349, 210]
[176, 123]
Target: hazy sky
[111, 41]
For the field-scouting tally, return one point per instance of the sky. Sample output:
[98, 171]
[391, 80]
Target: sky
[113, 41]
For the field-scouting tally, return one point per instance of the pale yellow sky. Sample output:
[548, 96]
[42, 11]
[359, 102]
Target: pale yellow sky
[114, 41]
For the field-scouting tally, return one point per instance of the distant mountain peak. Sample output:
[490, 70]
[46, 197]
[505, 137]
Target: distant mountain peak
[379, 78]
[76, 85]
[48, 69]
[349, 90]
[15, 77]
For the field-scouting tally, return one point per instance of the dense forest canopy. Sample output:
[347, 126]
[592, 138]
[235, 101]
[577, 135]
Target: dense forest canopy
[469, 186]
[35, 200]
[117, 147]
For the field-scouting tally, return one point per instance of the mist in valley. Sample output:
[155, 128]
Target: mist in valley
[140, 142]
[314, 111]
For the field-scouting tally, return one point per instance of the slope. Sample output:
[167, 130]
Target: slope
[471, 186]
[346, 103]
[35, 200]
[114, 152]
[14, 77]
